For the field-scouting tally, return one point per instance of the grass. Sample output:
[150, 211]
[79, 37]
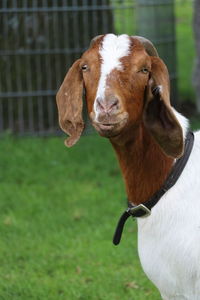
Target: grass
[58, 211]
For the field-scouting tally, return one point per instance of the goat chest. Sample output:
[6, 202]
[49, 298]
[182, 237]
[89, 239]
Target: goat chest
[169, 239]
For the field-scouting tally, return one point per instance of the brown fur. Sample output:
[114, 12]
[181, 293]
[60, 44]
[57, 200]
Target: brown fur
[144, 166]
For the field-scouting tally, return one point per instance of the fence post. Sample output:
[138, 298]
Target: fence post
[156, 21]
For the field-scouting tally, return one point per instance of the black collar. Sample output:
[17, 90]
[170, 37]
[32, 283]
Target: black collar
[144, 210]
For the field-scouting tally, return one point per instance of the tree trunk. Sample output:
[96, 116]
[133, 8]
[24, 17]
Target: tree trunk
[196, 26]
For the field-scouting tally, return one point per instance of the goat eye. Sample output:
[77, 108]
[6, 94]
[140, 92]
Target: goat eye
[84, 67]
[144, 70]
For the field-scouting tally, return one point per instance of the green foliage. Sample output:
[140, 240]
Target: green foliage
[185, 48]
[58, 212]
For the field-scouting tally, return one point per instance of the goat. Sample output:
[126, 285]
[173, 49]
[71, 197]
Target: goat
[127, 93]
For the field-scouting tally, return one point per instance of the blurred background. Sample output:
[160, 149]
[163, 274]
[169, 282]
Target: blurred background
[39, 40]
[58, 206]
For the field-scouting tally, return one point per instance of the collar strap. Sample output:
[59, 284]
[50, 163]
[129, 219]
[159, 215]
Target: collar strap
[144, 210]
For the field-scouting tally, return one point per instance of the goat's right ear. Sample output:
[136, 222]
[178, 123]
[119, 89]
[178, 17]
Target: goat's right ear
[159, 116]
[70, 105]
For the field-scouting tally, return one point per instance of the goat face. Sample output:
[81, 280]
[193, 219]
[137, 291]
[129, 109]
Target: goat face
[115, 101]
[126, 85]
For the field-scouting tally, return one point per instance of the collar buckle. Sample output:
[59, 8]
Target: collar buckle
[139, 211]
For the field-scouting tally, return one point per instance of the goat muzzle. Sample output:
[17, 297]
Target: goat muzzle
[107, 106]
[109, 126]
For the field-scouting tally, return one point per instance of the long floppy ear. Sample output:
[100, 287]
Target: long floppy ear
[159, 117]
[69, 102]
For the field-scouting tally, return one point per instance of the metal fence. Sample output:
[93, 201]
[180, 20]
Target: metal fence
[39, 39]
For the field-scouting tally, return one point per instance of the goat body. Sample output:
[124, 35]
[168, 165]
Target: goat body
[127, 93]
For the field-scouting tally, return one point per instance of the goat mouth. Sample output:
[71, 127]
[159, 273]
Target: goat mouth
[110, 129]
[106, 126]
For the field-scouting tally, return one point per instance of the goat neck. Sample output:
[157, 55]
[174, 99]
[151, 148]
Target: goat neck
[144, 165]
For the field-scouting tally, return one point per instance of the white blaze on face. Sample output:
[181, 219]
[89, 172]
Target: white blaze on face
[112, 50]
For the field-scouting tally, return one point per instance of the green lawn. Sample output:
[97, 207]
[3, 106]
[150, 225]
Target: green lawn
[58, 211]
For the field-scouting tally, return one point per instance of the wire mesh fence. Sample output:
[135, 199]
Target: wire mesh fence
[39, 40]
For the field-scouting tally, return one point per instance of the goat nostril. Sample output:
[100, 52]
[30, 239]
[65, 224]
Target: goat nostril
[115, 103]
[100, 105]
[107, 105]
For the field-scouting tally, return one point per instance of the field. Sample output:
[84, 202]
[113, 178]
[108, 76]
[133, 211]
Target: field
[58, 212]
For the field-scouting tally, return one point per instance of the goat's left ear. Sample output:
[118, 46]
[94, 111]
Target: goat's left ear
[159, 117]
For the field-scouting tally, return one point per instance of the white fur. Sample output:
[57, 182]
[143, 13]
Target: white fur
[112, 50]
[160, 87]
[183, 121]
[169, 239]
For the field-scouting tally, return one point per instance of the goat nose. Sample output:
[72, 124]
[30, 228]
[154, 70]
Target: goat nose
[107, 106]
